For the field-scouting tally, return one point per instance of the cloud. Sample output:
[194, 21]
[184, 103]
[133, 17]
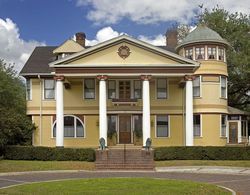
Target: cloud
[107, 33]
[152, 11]
[13, 48]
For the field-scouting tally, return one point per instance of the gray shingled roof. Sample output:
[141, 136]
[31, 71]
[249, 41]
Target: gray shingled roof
[202, 34]
[38, 62]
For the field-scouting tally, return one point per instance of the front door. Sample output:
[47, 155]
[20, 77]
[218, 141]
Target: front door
[124, 90]
[233, 132]
[124, 129]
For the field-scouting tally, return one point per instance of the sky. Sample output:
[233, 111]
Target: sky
[25, 24]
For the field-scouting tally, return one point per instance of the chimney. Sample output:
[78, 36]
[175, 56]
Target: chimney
[80, 38]
[171, 38]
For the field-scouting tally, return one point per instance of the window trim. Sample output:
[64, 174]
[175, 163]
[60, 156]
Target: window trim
[43, 91]
[75, 117]
[215, 54]
[221, 87]
[167, 88]
[199, 47]
[226, 122]
[84, 89]
[200, 96]
[189, 49]
[201, 135]
[169, 135]
[29, 98]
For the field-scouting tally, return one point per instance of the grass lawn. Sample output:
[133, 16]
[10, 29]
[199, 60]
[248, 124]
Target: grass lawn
[232, 163]
[24, 165]
[116, 186]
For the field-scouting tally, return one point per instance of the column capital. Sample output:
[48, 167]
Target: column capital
[59, 78]
[189, 77]
[145, 77]
[102, 77]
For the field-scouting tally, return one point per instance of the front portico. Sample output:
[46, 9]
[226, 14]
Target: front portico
[123, 72]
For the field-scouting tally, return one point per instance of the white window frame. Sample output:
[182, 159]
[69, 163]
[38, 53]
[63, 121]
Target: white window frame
[200, 78]
[156, 126]
[156, 89]
[83, 89]
[29, 97]
[43, 86]
[200, 126]
[226, 122]
[75, 117]
[221, 87]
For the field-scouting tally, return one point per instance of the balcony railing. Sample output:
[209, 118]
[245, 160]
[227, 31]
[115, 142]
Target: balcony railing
[130, 102]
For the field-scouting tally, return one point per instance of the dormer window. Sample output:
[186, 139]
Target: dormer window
[221, 53]
[211, 51]
[199, 53]
[189, 53]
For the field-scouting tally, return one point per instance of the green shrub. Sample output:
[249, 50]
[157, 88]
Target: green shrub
[202, 153]
[48, 153]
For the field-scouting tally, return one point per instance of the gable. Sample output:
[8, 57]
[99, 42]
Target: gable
[68, 46]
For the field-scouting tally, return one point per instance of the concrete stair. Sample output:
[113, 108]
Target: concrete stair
[124, 159]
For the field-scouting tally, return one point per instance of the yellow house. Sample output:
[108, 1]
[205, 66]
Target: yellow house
[126, 91]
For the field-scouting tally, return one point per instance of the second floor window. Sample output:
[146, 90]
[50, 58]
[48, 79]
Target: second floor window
[197, 125]
[111, 89]
[199, 53]
[49, 89]
[196, 87]
[189, 53]
[211, 51]
[137, 89]
[223, 86]
[161, 88]
[89, 89]
[28, 89]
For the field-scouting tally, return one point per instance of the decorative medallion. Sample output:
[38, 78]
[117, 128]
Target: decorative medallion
[124, 51]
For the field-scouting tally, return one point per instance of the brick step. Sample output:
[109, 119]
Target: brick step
[123, 166]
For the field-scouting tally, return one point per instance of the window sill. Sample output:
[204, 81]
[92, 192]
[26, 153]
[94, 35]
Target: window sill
[223, 98]
[198, 137]
[198, 97]
[162, 137]
[223, 137]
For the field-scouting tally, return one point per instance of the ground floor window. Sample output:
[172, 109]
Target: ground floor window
[243, 128]
[73, 127]
[112, 125]
[197, 125]
[223, 125]
[162, 126]
[137, 125]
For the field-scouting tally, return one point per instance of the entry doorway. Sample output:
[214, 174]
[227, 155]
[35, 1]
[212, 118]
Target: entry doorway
[124, 129]
[233, 132]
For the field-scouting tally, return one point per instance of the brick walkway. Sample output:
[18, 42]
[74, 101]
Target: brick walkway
[239, 183]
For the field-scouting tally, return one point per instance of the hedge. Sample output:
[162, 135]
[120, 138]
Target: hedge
[202, 153]
[48, 153]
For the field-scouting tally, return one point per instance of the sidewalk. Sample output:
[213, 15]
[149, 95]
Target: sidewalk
[206, 169]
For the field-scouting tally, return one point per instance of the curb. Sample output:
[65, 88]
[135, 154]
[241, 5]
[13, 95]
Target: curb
[228, 189]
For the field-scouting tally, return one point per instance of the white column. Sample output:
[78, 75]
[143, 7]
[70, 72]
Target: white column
[146, 109]
[102, 108]
[59, 112]
[189, 111]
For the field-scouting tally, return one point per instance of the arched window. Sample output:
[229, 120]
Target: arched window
[73, 127]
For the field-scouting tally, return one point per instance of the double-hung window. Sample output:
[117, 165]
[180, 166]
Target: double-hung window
[49, 89]
[197, 87]
[221, 54]
[111, 89]
[28, 89]
[89, 89]
[197, 125]
[162, 126]
[223, 87]
[199, 53]
[223, 125]
[137, 89]
[189, 53]
[161, 88]
[211, 51]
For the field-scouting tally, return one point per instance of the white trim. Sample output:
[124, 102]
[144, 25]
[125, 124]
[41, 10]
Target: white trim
[75, 117]
[127, 74]
[168, 115]
[217, 53]
[206, 56]
[33, 134]
[117, 40]
[124, 112]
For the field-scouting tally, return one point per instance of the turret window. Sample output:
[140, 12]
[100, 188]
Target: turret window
[211, 51]
[199, 53]
[221, 54]
[189, 53]
[223, 86]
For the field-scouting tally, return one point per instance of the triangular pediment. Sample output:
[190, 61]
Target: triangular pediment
[68, 46]
[122, 51]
